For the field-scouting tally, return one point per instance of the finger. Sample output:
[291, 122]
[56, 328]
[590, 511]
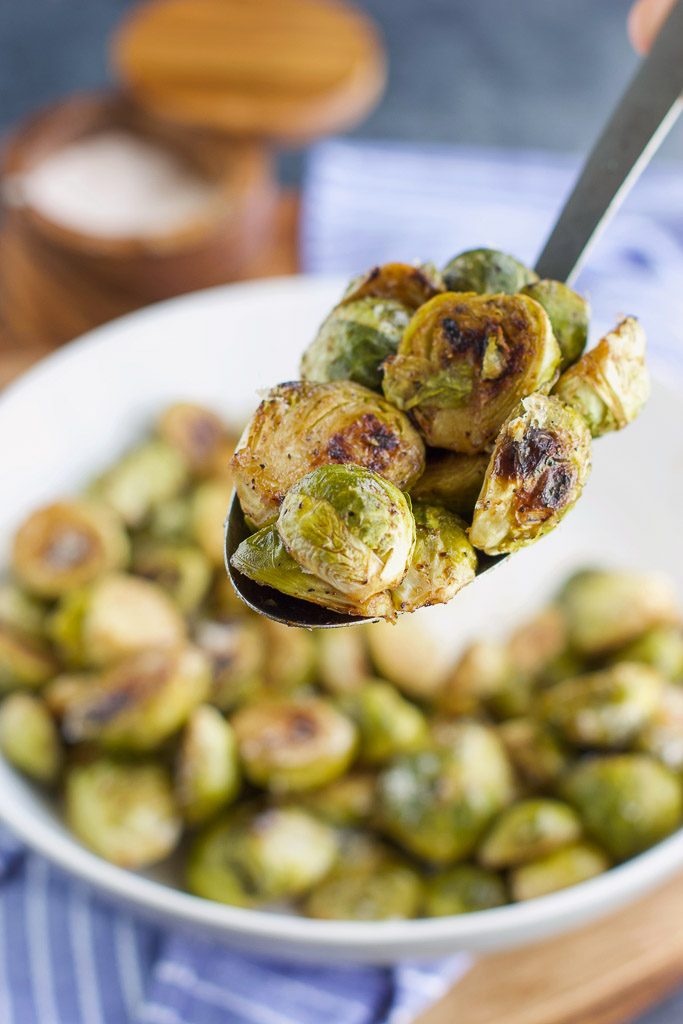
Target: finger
[645, 20]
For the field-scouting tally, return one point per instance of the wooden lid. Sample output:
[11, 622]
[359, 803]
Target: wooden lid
[285, 69]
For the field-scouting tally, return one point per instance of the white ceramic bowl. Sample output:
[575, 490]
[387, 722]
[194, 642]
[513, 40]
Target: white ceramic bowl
[80, 408]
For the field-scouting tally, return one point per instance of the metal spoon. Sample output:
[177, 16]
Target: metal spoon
[644, 115]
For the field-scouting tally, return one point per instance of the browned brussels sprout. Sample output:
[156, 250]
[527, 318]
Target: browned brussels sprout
[235, 649]
[442, 563]
[148, 475]
[610, 384]
[388, 724]
[302, 425]
[527, 830]
[182, 570]
[354, 340]
[628, 802]
[537, 472]
[207, 770]
[25, 661]
[199, 435]
[208, 509]
[569, 315]
[124, 812]
[29, 738]
[114, 617]
[410, 284]
[463, 889]
[557, 870]
[291, 745]
[140, 702]
[68, 544]
[486, 271]
[452, 480]
[466, 361]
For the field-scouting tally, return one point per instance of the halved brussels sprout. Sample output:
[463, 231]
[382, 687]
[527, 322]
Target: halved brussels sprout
[538, 755]
[263, 558]
[442, 563]
[558, 870]
[605, 610]
[149, 474]
[628, 802]
[569, 315]
[463, 889]
[663, 735]
[207, 769]
[486, 271]
[481, 672]
[437, 803]
[25, 661]
[661, 648]
[208, 509]
[347, 802]
[410, 284]
[290, 657]
[291, 745]
[29, 738]
[183, 571]
[610, 384]
[20, 611]
[113, 617]
[349, 527]
[452, 480]
[405, 654]
[605, 709]
[539, 642]
[250, 857]
[388, 724]
[354, 340]
[199, 435]
[140, 702]
[388, 890]
[528, 830]
[235, 649]
[124, 812]
[302, 425]
[68, 544]
[466, 361]
[343, 663]
[537, 472]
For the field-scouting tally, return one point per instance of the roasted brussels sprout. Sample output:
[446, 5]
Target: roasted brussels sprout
[452, 480]
[627, 801]
[480, 673]
[661, 648]
[348, 802]
[442, 563]
[113, 617]
[539, 642]
[528, 830]
[557, 870]
[610, 384]
[538, 755]
[605, 709]
[199, 435]
[569, 315]
[292, 745]
[302, 425]
[537, 472]
[263, 558]
[606, 610]
[389, 889]
[140, 702]
[124, 812]
[410, 284]
[354, 340]
[250, 857]
[29, 737]
[405, 655]
[68, 544]
[663, 735]
[171, 521]
[343, 663]
[235, 650]
[437, 803]
[207, 770]
[208, 509]
[290, 657]
[24, 660]
[21, 612]
[149, 474]
[183, 571]
[463, 889]
[466, 361]
[486, 271]
[387, 723]
[349, 527]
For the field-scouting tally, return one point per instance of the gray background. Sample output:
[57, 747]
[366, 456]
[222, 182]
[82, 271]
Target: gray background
[531, 73]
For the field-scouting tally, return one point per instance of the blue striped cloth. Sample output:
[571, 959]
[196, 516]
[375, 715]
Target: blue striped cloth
[67, 956]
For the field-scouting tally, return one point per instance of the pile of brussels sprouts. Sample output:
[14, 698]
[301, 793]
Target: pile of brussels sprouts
[349, 773]
[438, 415]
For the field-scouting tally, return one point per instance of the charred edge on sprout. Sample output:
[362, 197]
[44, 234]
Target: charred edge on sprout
[538, 463]
[367, 439]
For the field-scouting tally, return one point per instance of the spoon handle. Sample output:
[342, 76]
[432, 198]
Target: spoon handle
[646, 112]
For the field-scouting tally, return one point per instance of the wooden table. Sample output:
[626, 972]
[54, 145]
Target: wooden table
[606, 973]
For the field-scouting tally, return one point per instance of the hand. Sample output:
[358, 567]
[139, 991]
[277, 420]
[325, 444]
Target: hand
[645, 20]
